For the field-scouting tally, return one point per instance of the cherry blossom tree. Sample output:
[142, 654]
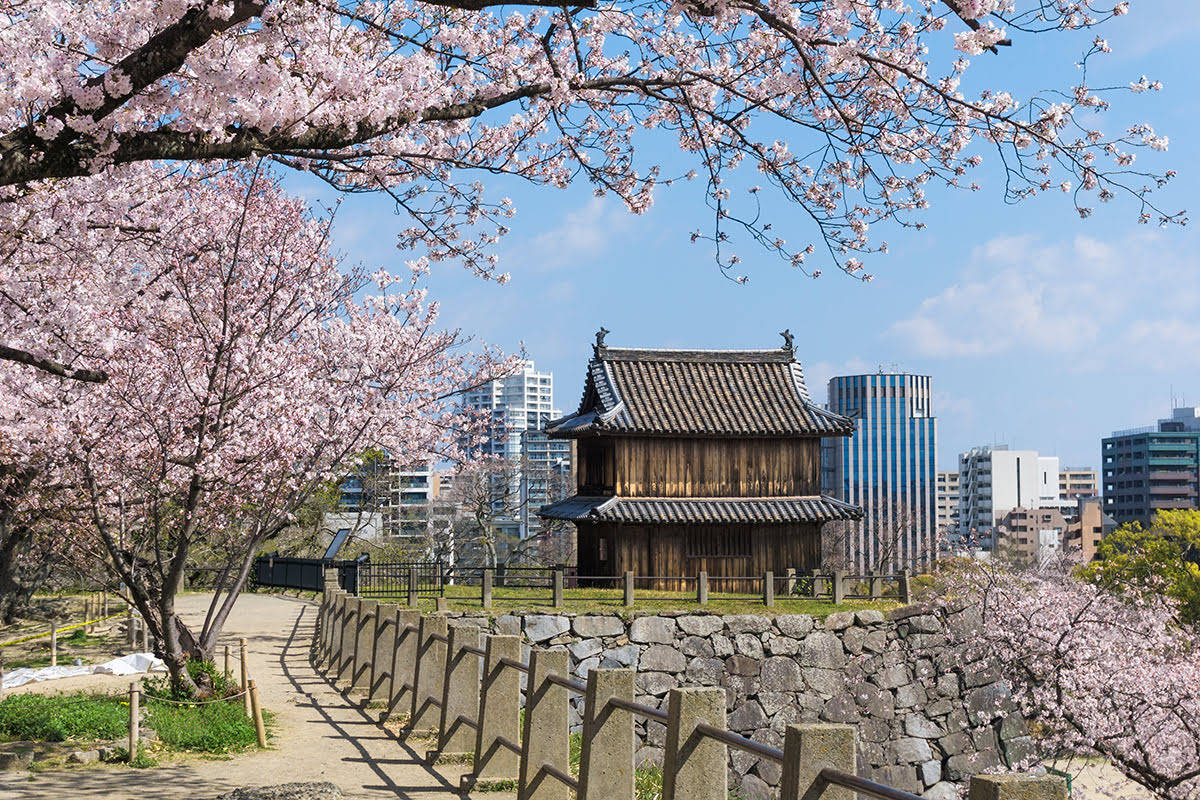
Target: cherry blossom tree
[241, 375]
[1097, 672]
[849, 110]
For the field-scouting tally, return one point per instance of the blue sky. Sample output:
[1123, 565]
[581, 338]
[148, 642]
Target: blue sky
[1041, 330]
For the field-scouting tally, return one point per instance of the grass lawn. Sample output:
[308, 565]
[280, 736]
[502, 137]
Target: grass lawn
[505, 599]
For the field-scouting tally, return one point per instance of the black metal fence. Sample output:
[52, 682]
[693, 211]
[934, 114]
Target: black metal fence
[303, 573]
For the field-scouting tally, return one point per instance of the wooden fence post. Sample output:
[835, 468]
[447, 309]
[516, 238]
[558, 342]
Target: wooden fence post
[790, 584]
[431, 668]
[807, 749]
[839, 586]
[53, 644]
[460, 692]
[769, 589]
[130, 635]
[134, 720]
[245, 677]
[694, 766]
[557, 587]
[702, 588]
[1017, 787]
[545, 743]
[227, 672]
[627, 585]
[485, 590]
[412, 587]
[404, 661]
[606, 765]
[380, 683]
[499, 712]
[260, 731]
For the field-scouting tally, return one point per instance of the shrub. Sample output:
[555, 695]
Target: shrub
[56, 718]
[202, 672]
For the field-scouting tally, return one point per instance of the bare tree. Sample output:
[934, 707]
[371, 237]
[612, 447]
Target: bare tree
[886, 540]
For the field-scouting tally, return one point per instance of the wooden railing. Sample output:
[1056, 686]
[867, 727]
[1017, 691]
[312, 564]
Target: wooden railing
[464, 690]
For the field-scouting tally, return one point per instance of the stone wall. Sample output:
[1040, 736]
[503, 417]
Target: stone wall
[925, 721]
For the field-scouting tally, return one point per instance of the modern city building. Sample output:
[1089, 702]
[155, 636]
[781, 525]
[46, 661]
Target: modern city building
[519, 406]
[887, 467]
[1075, 483]
[383, 500]
[995, 480]
[947, 502]
[1039, 535]
[1153, 468]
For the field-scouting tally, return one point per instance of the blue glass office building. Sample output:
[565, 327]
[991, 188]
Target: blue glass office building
[888, 467]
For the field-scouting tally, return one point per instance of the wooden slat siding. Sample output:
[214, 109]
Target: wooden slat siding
[699, 467]
[685, 550]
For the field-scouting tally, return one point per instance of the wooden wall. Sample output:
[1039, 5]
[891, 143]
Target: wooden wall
[608, 549]
[695, 467]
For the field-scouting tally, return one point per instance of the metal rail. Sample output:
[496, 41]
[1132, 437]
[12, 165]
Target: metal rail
[566, 779]
[474, 650]
[638, 708]
[740, 742]
[517, 665]
[862, 785]
[566, 683]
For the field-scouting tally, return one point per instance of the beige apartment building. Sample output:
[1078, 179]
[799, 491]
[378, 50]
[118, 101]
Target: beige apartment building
[1075, 483]
[1038, 535]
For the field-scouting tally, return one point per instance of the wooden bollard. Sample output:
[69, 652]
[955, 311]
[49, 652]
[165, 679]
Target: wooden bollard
[260, 731]
[769, 589]
[485, 590]
[545, 735]
[53, 644]
[627, 586]
[557, 587]
[460, 692]
[810, 748]
[606, 762]
[227, 672]
[130, 633]
[702, 588]
[499, 711]
[431, 668]
[134, 719]
[245, 678]
[693, 765]
[104, 604]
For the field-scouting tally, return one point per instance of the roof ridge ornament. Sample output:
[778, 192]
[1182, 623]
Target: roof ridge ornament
[789, 341]
[600, 346]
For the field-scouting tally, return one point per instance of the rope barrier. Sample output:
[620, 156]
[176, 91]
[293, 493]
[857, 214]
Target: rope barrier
[71, 627]
[150, 698]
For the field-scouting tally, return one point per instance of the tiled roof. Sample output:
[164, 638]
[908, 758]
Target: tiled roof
[699, 393]
[812, 508]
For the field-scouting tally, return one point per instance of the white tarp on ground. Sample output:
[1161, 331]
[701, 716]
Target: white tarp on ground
[125, 665]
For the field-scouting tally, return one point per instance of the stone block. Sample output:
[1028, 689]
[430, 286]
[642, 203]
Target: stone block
[694, 767]
[783, 646]
[593, 625]
[696, 646]
[821, 649]
[508, 625]
[825, 682]
[748, 645]
[656, 630]
[931, 772]
[655, 683]
[587, 665]
[83, 756]
[705, 671]
[772, 702]
[540, 627]
[985, 703]
[626, 656]
[742, 665]
[839, 621]
[753, 787]
[911, 750]
[747, 623]
[922, 727]
[964, 765]
[1017, 787]
[701, 624]
[891, 677]
[841, 709]
[899, 776]
[853, 639]
[868, 617]
[585, 648]
[924, 623]
[875, 641]
[811, 748]
[943, 790]
[722, 645]
[748, 716]
[660, 658]
[794, 625]
[780, 674]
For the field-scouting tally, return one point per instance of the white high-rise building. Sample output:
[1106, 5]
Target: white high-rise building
[947, 502]
[995, 480]
[520, 406]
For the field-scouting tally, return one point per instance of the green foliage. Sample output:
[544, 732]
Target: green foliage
[56, 718]
[142, 760]
[208, 727]
[1161, 559]
[202, 672]
[648, 783]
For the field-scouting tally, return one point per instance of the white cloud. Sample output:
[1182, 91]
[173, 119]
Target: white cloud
[1021, 295]
[583, 234]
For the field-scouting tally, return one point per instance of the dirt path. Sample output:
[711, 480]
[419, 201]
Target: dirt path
[320, 734]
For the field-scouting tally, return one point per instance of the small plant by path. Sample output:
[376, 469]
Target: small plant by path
[57, 718]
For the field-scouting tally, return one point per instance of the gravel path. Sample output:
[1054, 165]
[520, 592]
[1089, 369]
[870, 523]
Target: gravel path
[320, 734]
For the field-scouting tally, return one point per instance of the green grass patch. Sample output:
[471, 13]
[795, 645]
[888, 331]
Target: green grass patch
[202, 672]
[56, 718]
[218, 727]
[582, 600]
